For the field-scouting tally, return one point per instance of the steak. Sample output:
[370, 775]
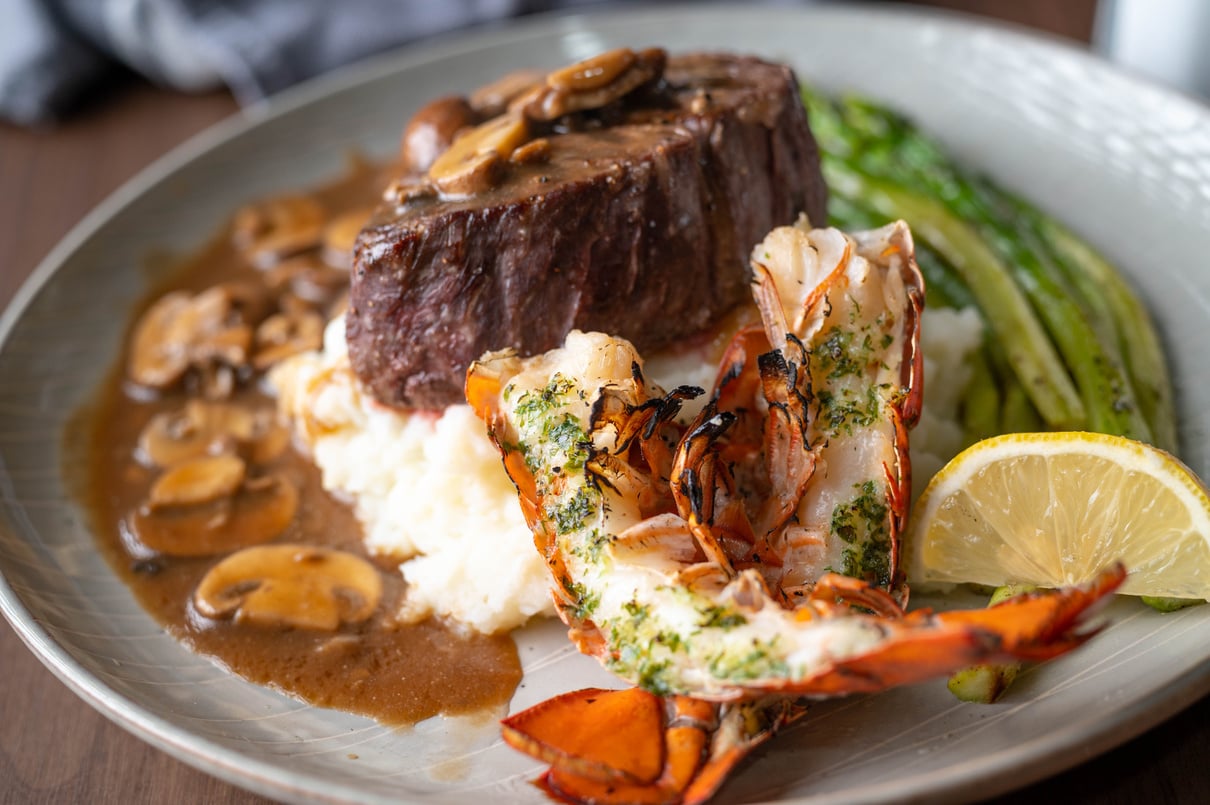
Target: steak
[635, 218]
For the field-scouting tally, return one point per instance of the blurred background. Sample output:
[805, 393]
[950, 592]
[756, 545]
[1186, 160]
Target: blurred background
[92, 91]
[57, 57]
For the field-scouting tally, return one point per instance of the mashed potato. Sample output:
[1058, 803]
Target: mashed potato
[947, 337]
[429, 489]
[426, 488]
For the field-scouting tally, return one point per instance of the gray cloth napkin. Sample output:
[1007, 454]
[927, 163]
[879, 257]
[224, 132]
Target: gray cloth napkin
[53, 52]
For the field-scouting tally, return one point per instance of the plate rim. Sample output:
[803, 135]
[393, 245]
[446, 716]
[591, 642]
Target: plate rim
[1026, 762]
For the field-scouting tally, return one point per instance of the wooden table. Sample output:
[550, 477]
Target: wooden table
[54, 748]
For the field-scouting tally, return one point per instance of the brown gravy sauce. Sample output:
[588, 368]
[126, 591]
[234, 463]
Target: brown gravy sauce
[396, 673]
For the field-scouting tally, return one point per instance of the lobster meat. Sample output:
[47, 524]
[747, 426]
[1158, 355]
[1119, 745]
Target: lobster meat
[734, 564]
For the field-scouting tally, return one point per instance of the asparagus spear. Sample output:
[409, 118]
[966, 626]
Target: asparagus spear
[981, 403]
[848, 214]
[982, 684]
[1161, 604]
[897, 151]
[943, 287]
[1017, 413]
[1140, 343]
[1085, 288]
[1003, 305]
[986, 683]
[942, 281]
[1085, 336]
[1005, 309]
[1115, 312]
[1101, 328]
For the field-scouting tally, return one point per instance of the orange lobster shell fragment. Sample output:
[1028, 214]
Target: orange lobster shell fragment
[631, 746]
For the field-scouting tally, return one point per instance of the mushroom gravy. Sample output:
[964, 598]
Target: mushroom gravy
[274, 268]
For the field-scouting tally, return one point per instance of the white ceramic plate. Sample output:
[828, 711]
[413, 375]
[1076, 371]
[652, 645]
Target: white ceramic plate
[1124, 163]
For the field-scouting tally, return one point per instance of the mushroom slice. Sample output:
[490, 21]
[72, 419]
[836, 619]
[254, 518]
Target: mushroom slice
[206, 331]
[204, 428]
[320, 285]
[211, 327]
[198, 480]
[472, 164]
[263, 437]
[340, 235]
[494, 98]
[155, 360]
[296, 586]
[307, 279]
[592, 83]
[533, 152]
[278, 228]
[431, 130]
[259, 510]
[403, 191]
[171, 438]
[247, 300]
[285, 334]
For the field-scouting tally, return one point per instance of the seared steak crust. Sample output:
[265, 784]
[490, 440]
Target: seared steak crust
[639, 224]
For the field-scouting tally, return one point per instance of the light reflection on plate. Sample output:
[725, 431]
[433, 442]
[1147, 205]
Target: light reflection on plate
[1125, 164]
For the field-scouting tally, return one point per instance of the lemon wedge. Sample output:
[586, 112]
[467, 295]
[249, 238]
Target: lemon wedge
[1052, 509]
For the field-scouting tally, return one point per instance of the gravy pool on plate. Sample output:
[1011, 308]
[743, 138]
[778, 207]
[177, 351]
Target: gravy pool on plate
[394, 672]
